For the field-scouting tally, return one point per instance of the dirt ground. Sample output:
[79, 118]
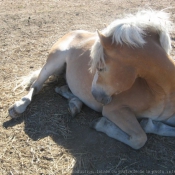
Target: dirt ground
[45, 140]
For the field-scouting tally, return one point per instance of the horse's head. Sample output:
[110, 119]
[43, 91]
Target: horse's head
[113, 57]
[113, 74]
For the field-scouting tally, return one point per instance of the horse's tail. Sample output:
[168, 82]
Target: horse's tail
[26, 81]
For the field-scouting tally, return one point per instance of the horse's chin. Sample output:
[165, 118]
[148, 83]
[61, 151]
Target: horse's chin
[108, 100]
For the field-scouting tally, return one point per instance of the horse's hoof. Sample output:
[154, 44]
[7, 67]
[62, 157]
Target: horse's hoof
[75, 106]
[57, 90]
[73, 109]
[62, 90]
[13, 113]
[94, 123]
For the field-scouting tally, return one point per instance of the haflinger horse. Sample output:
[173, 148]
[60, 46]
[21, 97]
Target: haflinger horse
[125, 72]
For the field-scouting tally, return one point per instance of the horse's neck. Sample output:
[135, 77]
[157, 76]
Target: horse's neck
[160, 75]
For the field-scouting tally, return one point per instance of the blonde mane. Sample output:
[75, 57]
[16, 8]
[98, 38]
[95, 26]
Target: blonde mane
[131, 31]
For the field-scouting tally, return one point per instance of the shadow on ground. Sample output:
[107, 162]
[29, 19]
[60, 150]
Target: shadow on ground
[95, 153]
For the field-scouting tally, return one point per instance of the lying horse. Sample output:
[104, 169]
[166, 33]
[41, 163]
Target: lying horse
[124, 72]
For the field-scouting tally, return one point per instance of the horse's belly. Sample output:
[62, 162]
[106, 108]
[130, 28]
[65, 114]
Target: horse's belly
[153, 112]
[160, 112]
[79, 81]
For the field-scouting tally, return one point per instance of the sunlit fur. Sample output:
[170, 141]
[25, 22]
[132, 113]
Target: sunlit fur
[131, 30]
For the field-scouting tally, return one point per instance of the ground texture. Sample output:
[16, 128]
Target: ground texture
[45, 140]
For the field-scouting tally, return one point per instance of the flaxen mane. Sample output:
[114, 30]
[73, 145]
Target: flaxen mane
[131, 31]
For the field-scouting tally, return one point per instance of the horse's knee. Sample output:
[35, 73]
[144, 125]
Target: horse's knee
[138, 141]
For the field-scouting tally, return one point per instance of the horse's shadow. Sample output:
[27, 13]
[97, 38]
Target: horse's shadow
[95, 153]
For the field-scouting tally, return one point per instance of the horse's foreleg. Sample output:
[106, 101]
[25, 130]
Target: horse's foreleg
[157, 127]
[122, 126]
[75, 104]
[109, 128]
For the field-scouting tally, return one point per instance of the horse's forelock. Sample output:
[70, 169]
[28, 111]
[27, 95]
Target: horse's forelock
[97, 56]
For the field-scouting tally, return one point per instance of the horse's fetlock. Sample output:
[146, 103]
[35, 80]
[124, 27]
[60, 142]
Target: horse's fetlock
[25, 99]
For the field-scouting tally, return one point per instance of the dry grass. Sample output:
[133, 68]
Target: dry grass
[44, 140]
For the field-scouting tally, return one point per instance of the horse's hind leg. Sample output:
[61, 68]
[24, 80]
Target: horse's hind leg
[54, 64]
[20, 106]
[75, 104]
[157, 127]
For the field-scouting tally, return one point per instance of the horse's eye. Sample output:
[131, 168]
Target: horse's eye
[101, 69]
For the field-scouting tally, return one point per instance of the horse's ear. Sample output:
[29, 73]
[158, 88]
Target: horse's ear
[106, 42]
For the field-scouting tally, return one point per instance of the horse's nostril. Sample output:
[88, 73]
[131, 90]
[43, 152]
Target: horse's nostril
[109, 100]
[106, 100]
[101, 97]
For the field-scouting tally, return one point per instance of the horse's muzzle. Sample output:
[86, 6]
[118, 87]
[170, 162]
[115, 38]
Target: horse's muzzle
[101, 97]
